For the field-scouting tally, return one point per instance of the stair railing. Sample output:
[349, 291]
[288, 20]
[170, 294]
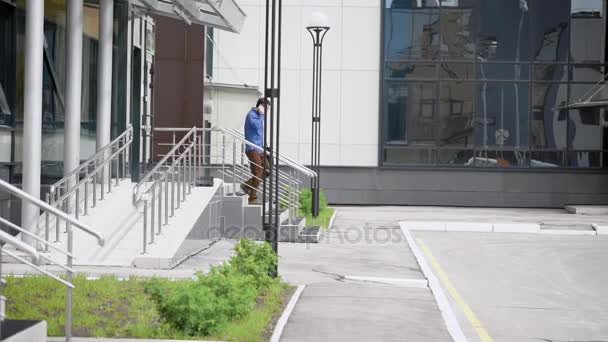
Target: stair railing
[47, 210]
[111, 162]
[166, 186]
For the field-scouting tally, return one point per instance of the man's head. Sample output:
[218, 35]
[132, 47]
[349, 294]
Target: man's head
[261, 105]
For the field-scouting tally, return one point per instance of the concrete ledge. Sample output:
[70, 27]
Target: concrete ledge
[600, 229]
[422, 225]
[278, 329]
[498, 227]
[587, 209]
[468, 227]
[567, 232]
[516, 227]
[35, 332]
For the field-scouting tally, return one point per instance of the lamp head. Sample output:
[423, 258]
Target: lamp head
[318, 20]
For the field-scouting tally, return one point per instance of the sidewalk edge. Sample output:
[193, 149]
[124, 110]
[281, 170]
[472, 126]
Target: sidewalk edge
[278, 329]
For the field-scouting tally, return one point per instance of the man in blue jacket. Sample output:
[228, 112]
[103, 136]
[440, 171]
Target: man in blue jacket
[254, 133]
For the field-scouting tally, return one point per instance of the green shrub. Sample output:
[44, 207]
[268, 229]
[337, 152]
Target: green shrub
[306, 201]
[199, 307]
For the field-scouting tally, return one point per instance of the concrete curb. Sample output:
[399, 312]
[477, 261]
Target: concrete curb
[447, 312]
[278, 329]
[497, 227]
[331, 221]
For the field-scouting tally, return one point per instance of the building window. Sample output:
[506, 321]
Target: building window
[486, 84]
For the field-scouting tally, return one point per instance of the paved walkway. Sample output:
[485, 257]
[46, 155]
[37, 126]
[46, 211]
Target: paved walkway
[364, 242]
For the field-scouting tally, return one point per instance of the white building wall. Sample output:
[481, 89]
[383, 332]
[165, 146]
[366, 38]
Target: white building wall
[351, 60]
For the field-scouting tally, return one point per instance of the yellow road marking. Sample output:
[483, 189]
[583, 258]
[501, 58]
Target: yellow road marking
[468, 312]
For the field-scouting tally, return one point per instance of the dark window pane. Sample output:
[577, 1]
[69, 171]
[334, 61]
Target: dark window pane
[547, 159]
[411, 33]
[410, 71]
[450, 157]
[585, 130]
[549, 119]
[586, 73]
[550, 32]
[551, 72]
[587, 40]
[457, 71]
[458, 34]
[457, 106]
[411, 112]
[503, 71]
[502, 114]
[586, 159]
[409, 156]
[503, 31]
[588, 92]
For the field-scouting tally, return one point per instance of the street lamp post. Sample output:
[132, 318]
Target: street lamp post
[318, 28]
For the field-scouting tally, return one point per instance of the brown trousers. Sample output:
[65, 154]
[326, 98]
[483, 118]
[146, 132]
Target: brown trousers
[257, 170]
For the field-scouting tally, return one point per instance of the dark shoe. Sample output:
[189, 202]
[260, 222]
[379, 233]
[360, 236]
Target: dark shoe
[253, 200]
[246, 189]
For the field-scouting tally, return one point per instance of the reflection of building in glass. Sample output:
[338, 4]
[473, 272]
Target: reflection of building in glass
[495, 76]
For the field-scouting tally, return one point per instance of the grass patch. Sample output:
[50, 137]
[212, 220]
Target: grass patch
[235, 301]
[322, 220]
[325, 212]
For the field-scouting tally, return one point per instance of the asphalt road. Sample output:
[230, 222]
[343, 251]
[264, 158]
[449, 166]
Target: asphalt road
[525, 287]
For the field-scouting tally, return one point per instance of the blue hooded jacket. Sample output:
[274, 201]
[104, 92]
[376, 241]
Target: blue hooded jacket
[254, 130]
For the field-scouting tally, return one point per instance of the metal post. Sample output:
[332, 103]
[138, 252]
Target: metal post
[109, 168]
[104, 74]
[318, 34]
[167, 198]
[86, 194]
[101, 186]
[223, 159]
[57, 194]
[179, 171]
[117, 165]
[73, 91]
[184, 178]
[68, 295]
[94, 186]
[172, 191]
[234, 166]
[77, 204]
[46, 223]
[32, 113]
[145, 226]
[160, 203]
[152, 202]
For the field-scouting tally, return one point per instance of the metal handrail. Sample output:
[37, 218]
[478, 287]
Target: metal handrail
[47, 210]
[99, 154]
[52, 210]
[161, 163]
[20, 245]
[288, 161]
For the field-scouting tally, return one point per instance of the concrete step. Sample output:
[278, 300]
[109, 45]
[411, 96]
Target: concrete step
[587, 209]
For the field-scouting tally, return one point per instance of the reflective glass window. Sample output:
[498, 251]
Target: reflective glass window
[549, 117]
[550, 21]
[456, 113]
[457, 71]
[503, 71]
[412, 111]
[551, 72]
[410, 71]
[502, 114]
[411, 33]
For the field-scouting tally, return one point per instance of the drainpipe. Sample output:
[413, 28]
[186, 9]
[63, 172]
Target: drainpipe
[32, 113]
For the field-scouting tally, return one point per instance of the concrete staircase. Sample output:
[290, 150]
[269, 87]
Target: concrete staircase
[242, 219]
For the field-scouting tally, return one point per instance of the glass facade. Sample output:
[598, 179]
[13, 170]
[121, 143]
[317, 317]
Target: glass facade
[12, 84]
[486, 83]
